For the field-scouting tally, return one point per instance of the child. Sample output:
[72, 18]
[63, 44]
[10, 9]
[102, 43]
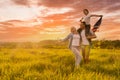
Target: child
[74, 43]
[86, 19]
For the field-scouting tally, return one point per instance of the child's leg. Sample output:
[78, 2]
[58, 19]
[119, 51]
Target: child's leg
[91, 35]
[87, 30]
[83, 53]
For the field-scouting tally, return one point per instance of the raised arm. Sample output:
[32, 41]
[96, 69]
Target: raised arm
[94, 15]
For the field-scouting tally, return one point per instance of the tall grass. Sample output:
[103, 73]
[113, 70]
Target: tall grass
[57, 64]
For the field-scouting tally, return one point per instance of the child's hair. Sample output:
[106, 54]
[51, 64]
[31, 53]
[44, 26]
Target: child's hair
[85, 10]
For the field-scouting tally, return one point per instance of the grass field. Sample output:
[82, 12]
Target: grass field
[57, 64]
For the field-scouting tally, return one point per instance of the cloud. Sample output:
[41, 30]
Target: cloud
[5, 24]
[112, 8]
[58, 11]
[3, 32]
[16, 29]
[22, 18]
[54, 30]
[76, 4]
[116, 20]
[2, 28]
[21, 2]
[107, 15]
[25, 13]
[29, 23]
[4, 3]
[57, 3]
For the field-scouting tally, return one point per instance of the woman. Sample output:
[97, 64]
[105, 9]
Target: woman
[85, 42]
[74, 43]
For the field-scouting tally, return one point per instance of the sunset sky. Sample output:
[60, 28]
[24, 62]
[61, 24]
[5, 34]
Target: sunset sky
[35, 20]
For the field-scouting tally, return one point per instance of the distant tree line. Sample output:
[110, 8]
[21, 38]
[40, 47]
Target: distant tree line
[109, 44]
[102, 44]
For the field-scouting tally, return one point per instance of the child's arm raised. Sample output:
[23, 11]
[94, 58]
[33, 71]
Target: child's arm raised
[94, 15]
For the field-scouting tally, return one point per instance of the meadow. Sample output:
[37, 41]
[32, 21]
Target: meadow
[56, 63]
